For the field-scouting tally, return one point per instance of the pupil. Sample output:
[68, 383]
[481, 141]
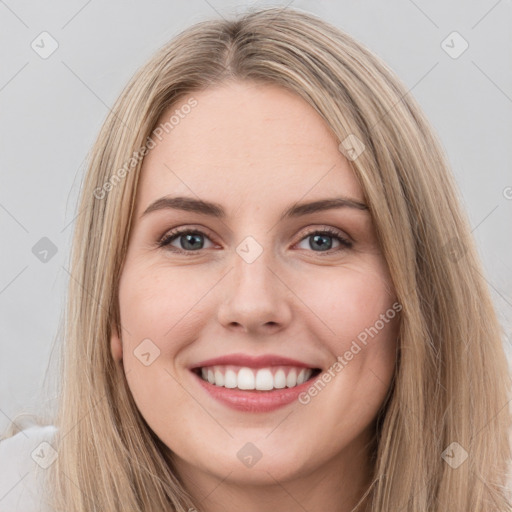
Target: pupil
[190, 240]
[322, 246]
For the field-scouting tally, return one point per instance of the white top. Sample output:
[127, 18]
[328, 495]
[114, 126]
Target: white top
[25, 456]
[23, 459]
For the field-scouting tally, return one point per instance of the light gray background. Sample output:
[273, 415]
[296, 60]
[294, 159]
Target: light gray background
[51, 110]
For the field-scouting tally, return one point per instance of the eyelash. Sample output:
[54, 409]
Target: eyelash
[174, 234]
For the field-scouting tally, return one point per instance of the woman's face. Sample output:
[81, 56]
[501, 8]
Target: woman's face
[258, 283]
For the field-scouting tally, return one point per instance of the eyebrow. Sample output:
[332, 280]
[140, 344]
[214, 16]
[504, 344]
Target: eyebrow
[189, 204]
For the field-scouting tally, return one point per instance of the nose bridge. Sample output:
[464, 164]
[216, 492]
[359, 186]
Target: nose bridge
[255, 297]
[252, 276]
[252, 264]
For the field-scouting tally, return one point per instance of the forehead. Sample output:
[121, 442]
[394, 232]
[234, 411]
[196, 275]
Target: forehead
[247, 142]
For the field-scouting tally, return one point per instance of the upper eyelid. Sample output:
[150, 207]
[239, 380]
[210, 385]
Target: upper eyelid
[175, 232]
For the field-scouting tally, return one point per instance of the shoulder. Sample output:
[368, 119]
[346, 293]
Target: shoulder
[23, 459]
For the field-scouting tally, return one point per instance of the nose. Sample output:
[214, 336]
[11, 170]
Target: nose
[256, 299]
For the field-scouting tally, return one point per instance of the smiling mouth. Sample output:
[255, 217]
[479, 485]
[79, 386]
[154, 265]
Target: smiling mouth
[256, 379]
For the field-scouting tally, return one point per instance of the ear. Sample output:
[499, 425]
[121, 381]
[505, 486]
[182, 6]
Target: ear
[116, 346]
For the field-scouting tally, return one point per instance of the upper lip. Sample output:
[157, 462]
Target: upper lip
[249, 361]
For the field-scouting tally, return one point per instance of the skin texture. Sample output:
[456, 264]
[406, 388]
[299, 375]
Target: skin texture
[256, 149]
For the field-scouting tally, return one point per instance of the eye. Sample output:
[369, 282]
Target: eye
[192, 240]
[189, 240]
[319, 239]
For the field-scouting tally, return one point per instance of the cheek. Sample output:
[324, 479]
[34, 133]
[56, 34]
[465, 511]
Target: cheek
[161, 312]
[357, 307]
[349, 302]
[358, 325]
[154, 303]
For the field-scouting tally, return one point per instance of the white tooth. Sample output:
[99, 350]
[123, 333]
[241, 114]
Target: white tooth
[279, 379]
[230, 379]
[291, 380]
[264, 380]
[245, 378]
[219, 378]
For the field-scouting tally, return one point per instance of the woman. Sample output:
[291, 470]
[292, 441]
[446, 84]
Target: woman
[331, 345]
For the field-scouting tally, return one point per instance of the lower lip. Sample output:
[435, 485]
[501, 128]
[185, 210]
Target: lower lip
[254, 401]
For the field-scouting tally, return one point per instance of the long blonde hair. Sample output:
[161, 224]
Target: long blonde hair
[451, 383]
